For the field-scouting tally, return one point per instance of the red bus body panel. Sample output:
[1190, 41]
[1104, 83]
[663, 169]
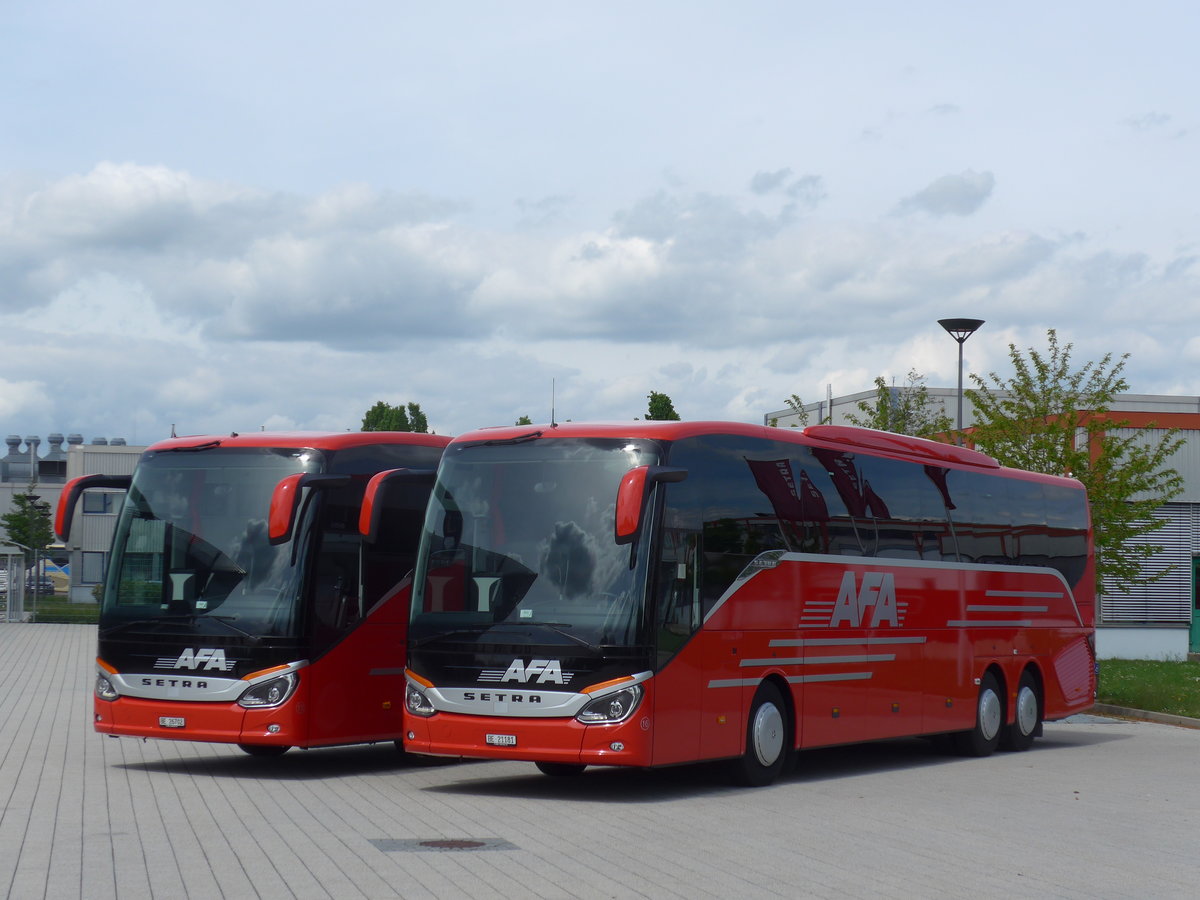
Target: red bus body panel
[849, 682]
[352, 693]
[863, 647]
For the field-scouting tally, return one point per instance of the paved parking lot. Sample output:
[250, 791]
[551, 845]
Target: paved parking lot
[1098, 809]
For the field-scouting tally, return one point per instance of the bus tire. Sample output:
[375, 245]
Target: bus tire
[560, 770]
[983, 739]
[1028, 715]
[766, 739]
[264, 750]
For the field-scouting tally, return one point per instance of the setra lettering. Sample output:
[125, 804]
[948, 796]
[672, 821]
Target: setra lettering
[175, 683]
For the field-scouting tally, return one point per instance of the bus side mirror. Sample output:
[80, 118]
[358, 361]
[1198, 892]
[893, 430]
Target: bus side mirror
[374, 499]
[632, 494]
[285, 500]
[74, 489]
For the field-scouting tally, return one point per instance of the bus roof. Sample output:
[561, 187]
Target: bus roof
[316, 440]
[842, 437]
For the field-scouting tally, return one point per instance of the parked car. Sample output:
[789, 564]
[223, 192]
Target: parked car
[44, 586]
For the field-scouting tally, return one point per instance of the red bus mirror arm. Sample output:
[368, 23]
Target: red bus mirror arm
[633, 493]
[281, 517]
[74, 489]
[373, 498]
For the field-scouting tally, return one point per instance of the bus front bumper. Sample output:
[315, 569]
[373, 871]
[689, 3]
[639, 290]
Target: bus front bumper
[557, 740]
[226, 723]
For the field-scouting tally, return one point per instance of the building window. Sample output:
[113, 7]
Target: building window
[93, 567]
[97, 502]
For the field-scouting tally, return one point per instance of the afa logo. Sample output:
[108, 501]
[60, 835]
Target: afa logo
[206, 658]
[546, 671]
[539, 671]
[877, 594]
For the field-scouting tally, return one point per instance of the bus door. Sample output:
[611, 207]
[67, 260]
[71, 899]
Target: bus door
[678, 684]
[358, 622]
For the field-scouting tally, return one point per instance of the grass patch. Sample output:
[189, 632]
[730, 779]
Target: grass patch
[1153, 685]
[60, 609]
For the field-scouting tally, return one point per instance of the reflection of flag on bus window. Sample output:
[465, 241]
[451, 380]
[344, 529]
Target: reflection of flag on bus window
[793, 500]
[937, 475]
[846, 479]
[878, 508]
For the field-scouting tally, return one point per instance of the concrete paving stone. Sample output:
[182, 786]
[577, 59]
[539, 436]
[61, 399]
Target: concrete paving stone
[1099, 808]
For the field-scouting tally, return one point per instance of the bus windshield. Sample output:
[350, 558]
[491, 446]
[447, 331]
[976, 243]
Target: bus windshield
[192, 542]
[521, 534]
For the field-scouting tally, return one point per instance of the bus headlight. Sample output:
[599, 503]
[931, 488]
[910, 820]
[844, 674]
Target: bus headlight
[104, 689]
[614, 707]
[417, 703]
[269, 693]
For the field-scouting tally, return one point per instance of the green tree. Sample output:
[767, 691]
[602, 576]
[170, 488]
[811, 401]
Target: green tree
[28, 523]
[660, 409]
[796, 405]
[903, 410]
[417, 422]
[385, 417]
[1048, 418]
[524, 420]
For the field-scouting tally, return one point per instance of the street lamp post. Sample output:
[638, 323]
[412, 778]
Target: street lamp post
[960, 330]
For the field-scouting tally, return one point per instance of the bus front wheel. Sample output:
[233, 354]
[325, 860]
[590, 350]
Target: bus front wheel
[766, 739]
[983, 739]
[264, 750]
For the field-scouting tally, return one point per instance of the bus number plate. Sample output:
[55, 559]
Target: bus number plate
[501, 740]
[172, 721]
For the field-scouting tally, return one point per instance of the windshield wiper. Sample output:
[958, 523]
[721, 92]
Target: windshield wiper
[519, 439]
[560, 628]
[207, 445]
[228, 621]
[133, 623]
[457, 632]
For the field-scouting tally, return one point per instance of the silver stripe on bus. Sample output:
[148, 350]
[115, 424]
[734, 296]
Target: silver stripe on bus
[819, 660]
[843, 642]
[846, 562]
[793, 679]
[832, 676]
[1032, 595]
[1016, 609]
[972, 623]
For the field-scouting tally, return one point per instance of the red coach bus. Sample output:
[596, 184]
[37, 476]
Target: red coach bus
[252, 597]
[656, 593]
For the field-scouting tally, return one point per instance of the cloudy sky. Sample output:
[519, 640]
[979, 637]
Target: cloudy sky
[237, 215]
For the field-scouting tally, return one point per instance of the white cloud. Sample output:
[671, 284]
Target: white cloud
[23, 399]
[255, 309]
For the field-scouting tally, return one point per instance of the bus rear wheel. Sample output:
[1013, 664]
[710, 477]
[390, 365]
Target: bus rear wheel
[766, 739]
[264, 750]
[560, 770]
[983, 739]
[1020, 734]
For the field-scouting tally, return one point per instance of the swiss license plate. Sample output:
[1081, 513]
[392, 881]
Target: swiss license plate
[172, 721]
[501, 740]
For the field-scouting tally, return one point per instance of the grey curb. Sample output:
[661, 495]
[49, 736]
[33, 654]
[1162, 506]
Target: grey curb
[1141, 715]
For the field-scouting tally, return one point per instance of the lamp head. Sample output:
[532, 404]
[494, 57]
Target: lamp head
[960, 329]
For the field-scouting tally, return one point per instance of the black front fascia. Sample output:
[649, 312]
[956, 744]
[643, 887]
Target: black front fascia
[541, 657]
[163, 647]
